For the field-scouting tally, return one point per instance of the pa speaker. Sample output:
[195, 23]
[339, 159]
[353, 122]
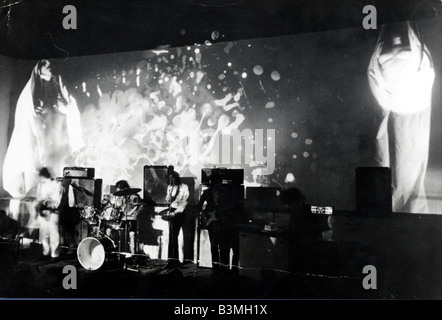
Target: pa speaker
[373, 191]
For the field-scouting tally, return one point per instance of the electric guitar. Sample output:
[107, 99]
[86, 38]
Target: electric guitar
[167, 214]
[207, 218]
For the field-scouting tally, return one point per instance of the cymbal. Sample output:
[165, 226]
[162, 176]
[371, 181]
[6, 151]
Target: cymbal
[126, 192]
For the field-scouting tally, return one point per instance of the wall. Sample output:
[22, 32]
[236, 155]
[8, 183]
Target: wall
[311, 89]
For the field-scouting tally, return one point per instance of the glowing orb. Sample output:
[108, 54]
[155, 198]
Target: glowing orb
[270, 105]
[289, 178]
[275, 75]
[258, 70]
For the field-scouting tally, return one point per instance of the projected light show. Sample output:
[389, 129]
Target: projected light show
[302, 110]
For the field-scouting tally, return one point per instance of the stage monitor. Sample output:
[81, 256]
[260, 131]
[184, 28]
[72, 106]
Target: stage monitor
[155, 184]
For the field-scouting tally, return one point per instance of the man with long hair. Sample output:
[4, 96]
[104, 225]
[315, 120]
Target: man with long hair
[177, 197]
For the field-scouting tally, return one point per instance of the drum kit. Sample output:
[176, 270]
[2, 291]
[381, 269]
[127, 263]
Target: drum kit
[109, 228]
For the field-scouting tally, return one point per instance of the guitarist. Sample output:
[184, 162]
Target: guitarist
[177, 197]
[209, 206]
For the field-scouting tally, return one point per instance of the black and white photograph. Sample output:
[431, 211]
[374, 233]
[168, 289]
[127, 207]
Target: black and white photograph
[231, 149]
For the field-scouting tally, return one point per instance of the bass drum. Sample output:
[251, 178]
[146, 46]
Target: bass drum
[92, 251]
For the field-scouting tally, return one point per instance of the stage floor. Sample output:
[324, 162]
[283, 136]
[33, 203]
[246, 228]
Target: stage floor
[25, 274]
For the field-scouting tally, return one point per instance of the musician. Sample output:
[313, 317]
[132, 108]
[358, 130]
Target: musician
[50, 204]
[207, 206]
[221, 211]
[136, 216]
[177, 198]
[120, 200]
[126, 206]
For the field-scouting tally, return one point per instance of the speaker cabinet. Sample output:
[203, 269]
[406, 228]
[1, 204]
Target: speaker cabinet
[155, 183]
[78, 172]
[373, 191]
[87, 192]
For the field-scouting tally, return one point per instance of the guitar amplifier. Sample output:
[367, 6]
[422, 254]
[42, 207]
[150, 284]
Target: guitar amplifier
[78, 172]
[87, 192]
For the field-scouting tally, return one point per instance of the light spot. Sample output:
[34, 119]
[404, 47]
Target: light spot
[306, 154]
[308, 141]
[214, 35]
[270, 120]
[258, 70]
[270, 105]
[275, 75]
[294, 135]
[244, 75]
[289, 178]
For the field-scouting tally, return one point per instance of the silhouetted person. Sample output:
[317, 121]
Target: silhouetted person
[222, 212]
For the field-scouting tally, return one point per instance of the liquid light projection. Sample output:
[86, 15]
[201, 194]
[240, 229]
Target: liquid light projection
[47, 129]
[160, 112]
[401, 79]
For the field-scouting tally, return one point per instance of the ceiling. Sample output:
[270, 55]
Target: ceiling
[32, 29]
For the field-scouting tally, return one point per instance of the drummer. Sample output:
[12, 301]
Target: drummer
[135, 215]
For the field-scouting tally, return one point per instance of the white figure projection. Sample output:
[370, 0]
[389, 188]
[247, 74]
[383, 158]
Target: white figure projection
[401, 77]
[47, 129]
